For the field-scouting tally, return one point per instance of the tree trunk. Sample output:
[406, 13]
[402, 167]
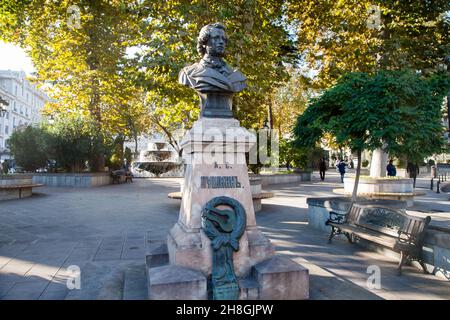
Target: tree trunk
[270, 116]
[135, 144]
[378, 162]
[358, 173]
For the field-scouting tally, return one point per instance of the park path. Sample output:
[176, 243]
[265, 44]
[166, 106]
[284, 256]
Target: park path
[104, 232]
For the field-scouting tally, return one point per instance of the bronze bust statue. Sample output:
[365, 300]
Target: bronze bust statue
[213, 79]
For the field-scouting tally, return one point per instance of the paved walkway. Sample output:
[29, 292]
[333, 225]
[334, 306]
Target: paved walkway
[103, 231]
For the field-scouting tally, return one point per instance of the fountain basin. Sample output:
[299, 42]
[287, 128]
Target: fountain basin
[382, 188]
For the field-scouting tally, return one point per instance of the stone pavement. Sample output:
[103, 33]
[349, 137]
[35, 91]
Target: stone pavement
[103, 231]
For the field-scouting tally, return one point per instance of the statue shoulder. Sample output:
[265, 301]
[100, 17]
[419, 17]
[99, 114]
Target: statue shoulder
[237, 76]
[186, 74]
[237, 80]
[193, 68]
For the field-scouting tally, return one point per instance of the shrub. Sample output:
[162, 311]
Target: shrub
[365, 163]
[29, 146]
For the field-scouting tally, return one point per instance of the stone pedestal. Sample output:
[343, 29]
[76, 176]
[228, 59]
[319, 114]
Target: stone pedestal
[216, 166]
[215, 151]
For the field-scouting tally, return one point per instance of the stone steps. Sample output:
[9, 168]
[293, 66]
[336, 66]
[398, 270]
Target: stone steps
[135, 283]
[269, 279]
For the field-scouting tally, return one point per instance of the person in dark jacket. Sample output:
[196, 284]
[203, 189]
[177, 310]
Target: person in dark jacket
[391, 170]
[341, 168]
[322, 168]
[413, 171]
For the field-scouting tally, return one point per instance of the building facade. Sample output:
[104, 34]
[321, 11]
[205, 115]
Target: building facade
[25, 102]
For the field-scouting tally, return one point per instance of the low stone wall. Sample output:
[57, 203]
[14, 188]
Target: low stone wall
[15, 179]
[72, 180]
[436, 250]
[269, 179]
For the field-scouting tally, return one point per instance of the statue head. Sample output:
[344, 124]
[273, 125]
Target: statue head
[212, 40]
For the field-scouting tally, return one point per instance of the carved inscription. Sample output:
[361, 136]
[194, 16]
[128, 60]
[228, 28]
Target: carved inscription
[220, 182]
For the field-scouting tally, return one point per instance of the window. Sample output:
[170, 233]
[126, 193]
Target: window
[15, 106]
[6, 130]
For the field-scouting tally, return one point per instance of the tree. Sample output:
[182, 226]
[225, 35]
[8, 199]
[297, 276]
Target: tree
[77, 48]
[289, 101]
[28, 147]
[258, 46]
[291, 155]
[336, 37]
[364, 111]
[72, 145]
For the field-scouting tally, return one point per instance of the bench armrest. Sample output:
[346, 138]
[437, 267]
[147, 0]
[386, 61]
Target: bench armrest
[404, 237]
[337, 218]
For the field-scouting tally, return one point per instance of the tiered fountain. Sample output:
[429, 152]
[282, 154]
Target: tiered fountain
[158, 162]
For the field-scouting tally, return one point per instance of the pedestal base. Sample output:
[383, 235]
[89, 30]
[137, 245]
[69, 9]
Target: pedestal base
[276, 278]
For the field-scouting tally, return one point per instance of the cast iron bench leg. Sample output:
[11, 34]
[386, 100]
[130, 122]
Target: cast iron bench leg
[400, 263]
[331, 234]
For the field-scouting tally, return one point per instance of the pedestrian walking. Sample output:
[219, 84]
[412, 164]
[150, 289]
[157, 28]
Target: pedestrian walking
[322, 168]
[341, 168]
[413, 171]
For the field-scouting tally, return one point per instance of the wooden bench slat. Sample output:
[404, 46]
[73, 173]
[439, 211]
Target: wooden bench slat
[373, 236]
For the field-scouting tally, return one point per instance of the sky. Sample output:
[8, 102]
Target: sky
[14, 58]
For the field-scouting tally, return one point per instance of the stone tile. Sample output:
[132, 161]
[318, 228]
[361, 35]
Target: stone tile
[54, 294]
[30, 290]
[133, 249]
[5, 287]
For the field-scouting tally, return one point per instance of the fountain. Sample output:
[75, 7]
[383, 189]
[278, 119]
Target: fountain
[157, 162]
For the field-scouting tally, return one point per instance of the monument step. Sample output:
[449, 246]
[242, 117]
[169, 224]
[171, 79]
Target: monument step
[171, 282]
[156, 254]
[248, 288]
[281, 278]
[135, 283]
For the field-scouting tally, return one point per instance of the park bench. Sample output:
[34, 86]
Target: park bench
[19, 187]
[388, 227]
[121, 176]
